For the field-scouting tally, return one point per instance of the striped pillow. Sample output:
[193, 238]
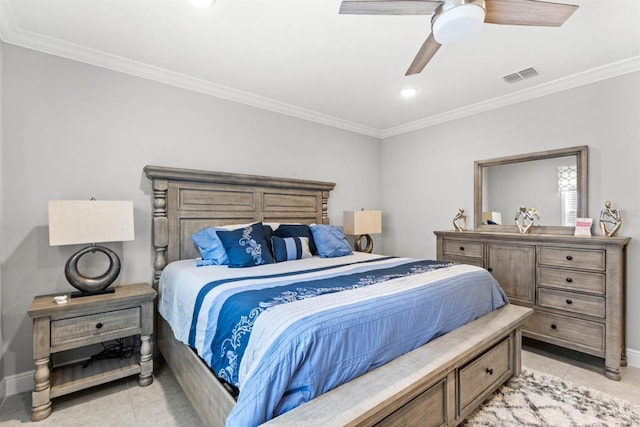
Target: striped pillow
[290, 248]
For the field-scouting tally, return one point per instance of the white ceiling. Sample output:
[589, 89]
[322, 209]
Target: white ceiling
[300, 57]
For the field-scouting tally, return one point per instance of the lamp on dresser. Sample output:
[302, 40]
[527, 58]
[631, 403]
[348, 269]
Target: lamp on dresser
[361, 224]
[93, 221]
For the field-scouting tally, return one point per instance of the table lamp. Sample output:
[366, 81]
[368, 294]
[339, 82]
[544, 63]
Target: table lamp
[93, 221]
[362, 224]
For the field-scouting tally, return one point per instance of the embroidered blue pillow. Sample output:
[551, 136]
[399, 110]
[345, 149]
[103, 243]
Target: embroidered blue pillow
[330, 241]
[211, 249]
[290, 248]
[245, 247]
[297, 230]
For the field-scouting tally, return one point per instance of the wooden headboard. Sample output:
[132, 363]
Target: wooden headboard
[186, 201]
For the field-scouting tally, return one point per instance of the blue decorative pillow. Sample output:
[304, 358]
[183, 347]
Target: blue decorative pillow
[297, 230]
[246, 247]
[268, 234]
[290, 248]
[210, 247]
[330, 241]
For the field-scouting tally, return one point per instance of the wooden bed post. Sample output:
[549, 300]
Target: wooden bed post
[160, 228]
[325, 204]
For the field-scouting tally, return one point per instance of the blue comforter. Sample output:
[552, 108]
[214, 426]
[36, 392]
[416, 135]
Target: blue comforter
[283, 337]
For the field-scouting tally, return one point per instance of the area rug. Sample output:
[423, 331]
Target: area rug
[537, 399]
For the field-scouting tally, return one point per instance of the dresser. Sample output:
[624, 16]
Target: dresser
[576, 285]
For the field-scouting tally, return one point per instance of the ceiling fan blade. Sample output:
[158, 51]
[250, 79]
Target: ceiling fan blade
[527, 12]
[389, 7]
[424, 55]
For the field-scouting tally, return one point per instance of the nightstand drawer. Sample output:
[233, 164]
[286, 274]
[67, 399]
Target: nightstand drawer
[572, 280]
[569, 301]
[573, 258]
[463, 248]
[95, 325]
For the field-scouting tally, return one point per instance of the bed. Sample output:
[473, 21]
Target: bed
[438, 383]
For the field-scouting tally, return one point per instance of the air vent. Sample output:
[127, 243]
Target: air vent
[527, 73]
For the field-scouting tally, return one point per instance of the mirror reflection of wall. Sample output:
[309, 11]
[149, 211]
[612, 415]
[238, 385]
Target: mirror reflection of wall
[531, 184]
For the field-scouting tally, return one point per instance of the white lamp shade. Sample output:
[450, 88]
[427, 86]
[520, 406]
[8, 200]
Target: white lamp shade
[458, 24]
[362, 222]
[89, 221]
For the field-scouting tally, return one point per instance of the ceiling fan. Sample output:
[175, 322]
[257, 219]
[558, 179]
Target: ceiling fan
[454, 21]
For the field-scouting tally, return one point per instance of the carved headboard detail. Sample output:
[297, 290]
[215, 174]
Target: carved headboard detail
[185, 201]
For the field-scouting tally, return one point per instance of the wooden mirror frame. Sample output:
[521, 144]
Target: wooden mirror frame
[581, 153]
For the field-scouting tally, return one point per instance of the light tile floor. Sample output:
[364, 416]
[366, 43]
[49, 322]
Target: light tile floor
[123, 403]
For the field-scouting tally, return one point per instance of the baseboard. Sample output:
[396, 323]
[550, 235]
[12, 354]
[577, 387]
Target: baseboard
[19, 383]
[633, 358]
[3, 392]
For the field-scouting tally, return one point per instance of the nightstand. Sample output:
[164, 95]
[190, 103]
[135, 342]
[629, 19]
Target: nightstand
[81, 322]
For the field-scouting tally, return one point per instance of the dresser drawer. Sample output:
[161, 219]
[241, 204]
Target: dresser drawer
[463, 248]
[95, 325]
[566, 331]
[572, 258]
[428, 409]
[483, 373]
[572, 280]
[569, 301]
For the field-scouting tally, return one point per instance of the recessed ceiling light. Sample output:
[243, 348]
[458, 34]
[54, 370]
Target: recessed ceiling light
[408, 92]
[201, 3]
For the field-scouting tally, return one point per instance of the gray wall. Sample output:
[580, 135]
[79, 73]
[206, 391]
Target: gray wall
[2, 375]
[73, 131]
[428, 174]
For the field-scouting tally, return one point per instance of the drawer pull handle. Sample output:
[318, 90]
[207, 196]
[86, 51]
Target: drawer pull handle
[553, 326]
[490, 371]
[462, 248]
[98, 325]
[569, 280]
[569, 257]
[569, 302]
[489, 269]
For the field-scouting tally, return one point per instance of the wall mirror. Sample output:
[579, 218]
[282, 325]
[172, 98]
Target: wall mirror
[554, 182]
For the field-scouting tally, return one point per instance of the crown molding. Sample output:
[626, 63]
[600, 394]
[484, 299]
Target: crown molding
[11, 34]
[608, 71]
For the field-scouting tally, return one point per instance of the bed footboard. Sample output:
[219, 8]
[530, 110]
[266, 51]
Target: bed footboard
[439, 383]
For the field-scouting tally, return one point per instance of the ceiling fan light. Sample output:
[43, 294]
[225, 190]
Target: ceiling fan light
[409, 92]
[458, 23]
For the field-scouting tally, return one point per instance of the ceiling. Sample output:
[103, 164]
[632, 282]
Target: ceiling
[301, 58]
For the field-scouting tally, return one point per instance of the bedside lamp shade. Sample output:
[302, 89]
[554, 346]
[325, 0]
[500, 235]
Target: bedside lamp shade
[89, 222]
[361, 224]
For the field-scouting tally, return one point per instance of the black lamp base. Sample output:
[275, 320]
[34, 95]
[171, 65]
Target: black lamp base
[358, 243]
[91, 293]
[92, 285]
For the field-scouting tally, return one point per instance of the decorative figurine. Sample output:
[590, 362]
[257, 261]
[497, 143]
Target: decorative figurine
[526, 218]
[612, 217]
[460, 221]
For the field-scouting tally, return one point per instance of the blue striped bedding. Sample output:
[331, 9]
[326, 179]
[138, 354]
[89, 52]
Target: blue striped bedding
[284, 333]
